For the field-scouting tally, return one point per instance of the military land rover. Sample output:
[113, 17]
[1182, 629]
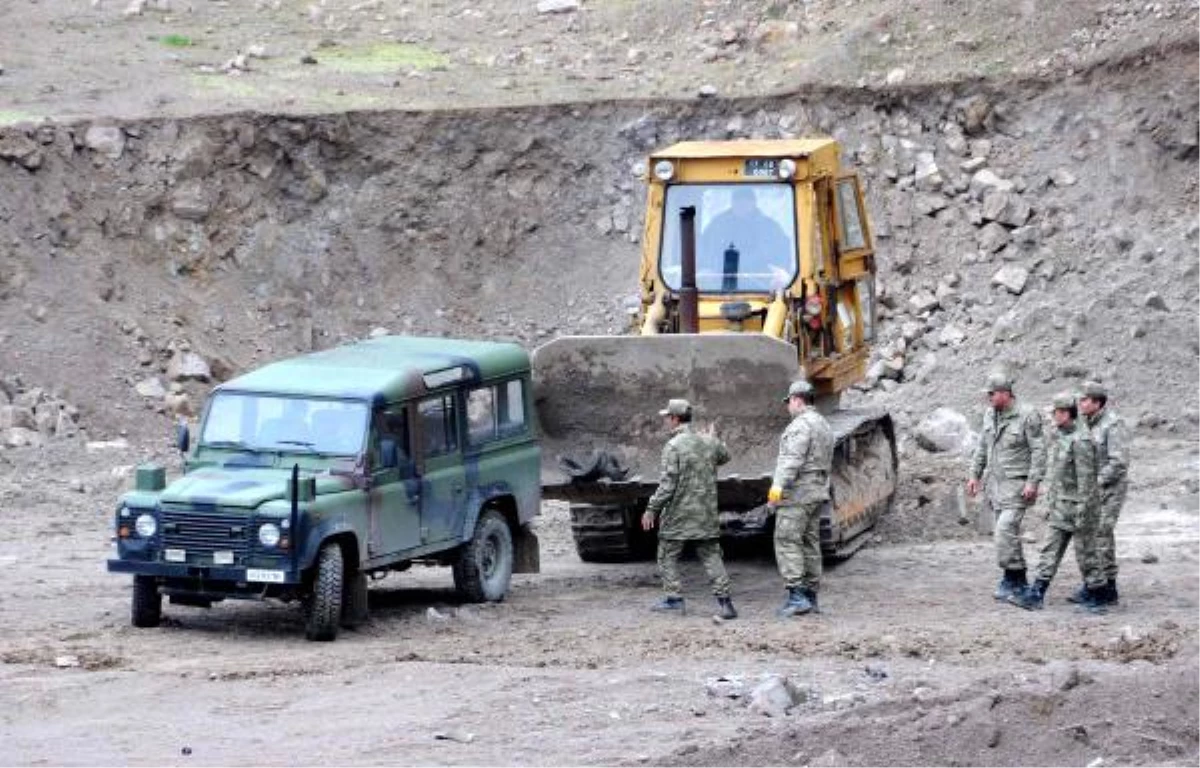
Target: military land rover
[312, 475]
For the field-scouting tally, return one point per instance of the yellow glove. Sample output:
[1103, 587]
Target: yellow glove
[775, 495]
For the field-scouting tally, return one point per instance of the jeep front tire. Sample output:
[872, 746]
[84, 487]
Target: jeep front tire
[323, 607]
[484, 567]
[147, 602]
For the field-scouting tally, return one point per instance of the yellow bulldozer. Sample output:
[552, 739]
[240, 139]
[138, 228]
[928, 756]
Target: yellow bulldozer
[757, 268]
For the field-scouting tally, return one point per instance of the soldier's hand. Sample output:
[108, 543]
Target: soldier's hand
[775, 495]
[1029, 492]
[647, 521]
[972, 487]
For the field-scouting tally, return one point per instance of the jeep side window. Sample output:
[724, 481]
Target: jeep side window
[495, 412]
[391, 447]
[439, 425]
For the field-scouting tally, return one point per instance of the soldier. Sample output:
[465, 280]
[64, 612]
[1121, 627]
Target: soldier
[684, 507]
[1012, 447]
[1072, 501]
[799, 490]
[1112, 472]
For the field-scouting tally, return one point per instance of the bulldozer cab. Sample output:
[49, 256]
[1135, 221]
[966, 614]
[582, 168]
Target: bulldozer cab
[782, 247]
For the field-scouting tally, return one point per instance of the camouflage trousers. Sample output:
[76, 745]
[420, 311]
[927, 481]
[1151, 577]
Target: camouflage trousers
[1112, 499]
[1009, 507]
[798, 544]
[1069, 521]
[708, 552]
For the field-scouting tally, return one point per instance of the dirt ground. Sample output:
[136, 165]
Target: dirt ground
[456, 168]
[911, 661]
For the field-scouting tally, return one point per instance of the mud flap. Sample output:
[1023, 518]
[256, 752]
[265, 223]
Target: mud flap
[526, 552]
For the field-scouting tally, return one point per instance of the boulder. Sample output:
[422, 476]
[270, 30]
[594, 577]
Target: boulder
[106, 139]
[945, 430]
[1012, 278]
[1006, 207]
[774, 696]
[188, 365]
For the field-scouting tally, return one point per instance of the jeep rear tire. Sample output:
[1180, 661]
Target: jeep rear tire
[147, 602]
[484, 567]
[323, 607]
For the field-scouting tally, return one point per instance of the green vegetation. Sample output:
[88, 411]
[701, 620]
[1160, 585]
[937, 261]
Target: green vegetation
[176, 41]
[380, 58]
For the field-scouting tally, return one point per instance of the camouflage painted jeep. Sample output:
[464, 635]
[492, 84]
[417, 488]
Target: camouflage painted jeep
[312, 474]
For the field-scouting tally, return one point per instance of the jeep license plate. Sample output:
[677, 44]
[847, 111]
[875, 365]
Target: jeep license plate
[259, 574]
[175, 555]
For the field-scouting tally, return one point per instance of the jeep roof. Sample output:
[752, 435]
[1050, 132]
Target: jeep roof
[385, 369]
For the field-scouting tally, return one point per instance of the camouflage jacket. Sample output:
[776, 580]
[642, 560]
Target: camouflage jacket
[1112, 457]
[805, 459]
[1072, 466]
[1012, 444]
[685, 502]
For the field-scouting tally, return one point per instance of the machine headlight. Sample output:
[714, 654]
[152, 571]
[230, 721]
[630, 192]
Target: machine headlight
[787, 168]
[664, 170]
[146, 525]
[268, 534]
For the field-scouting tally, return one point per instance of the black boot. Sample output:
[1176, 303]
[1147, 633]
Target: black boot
[811, 594]
[1030, 598]
[1079, 596]
[725, 608]
[795, 605]
[1113, 597]
[1012, 583]
[669, 605]
[1096, 600]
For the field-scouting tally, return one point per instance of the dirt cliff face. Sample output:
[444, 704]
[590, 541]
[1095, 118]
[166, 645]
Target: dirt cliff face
[248, 237]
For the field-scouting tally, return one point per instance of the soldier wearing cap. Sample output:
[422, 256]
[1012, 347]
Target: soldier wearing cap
[1012, 449]
[1071, 476]
[799, 491]
[684, 508]
[1112, 473]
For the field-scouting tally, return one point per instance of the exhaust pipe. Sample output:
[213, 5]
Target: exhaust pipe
[689, 312]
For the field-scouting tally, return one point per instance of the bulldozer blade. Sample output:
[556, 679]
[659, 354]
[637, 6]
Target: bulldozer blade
[598, 398]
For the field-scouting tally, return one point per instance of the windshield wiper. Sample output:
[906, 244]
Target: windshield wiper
[301, 443]
[238, 444]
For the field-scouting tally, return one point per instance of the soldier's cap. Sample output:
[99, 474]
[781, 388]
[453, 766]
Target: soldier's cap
[1064, 400]
[1094, 388]
[797, 388]
[998, 381]
[676, 407]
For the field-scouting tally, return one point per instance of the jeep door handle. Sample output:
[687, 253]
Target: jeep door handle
[458, 489]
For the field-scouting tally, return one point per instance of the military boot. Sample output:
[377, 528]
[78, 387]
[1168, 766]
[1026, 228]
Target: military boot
[1096, 600]
[811, 594]
[1030, 598]
[1012, 584]
[725, 608]
[1112, 595]
[1079, 596]
[669, 605]
[795, 605]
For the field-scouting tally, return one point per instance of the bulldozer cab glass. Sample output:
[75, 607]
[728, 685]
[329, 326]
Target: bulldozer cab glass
[745, 237]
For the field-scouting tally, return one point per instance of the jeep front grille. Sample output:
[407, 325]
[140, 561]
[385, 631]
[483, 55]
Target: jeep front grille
[205, 533]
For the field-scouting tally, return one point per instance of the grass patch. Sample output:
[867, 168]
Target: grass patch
[175, 41]
[13, 116]
[380, 58]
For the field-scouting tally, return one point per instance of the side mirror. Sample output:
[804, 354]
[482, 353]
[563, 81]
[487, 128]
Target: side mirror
[183, 437]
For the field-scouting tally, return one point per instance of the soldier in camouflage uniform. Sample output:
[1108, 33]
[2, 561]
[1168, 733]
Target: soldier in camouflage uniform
[1073, 510]
[799, 491]
[1012, 448]
[684, 507]
[1112, 473]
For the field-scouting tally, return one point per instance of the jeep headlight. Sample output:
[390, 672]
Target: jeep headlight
[664, 170]
[268, 534]
[146, 525]
[787, 168]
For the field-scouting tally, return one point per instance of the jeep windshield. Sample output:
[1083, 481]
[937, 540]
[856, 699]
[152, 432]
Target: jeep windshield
[745, 237]
[254, 422]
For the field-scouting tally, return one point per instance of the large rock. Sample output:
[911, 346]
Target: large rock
[557, 6]
[993, 237]
[1012, 278]
[985, 181]
[1007, 208]
[22, 149]
[106, 139]
[945, 431]
[17, 416]
[188, 365]
[774, 696]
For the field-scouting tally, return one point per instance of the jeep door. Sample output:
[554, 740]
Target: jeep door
[394, 518]
[443, 481]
